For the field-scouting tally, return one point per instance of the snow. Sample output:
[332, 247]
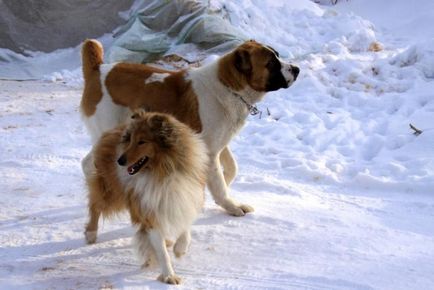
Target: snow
[342, 188]
[402, 19]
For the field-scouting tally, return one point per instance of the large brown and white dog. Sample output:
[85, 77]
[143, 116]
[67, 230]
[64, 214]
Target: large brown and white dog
[214, 100]
[155, 167]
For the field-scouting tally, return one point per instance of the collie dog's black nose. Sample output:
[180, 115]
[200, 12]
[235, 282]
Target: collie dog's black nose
[122, 161]
[295, 71]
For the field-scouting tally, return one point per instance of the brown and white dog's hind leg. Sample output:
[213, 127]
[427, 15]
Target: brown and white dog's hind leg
[230, 167]
[217, 186]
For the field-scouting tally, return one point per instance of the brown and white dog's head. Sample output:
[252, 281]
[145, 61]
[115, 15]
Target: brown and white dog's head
[257, 66]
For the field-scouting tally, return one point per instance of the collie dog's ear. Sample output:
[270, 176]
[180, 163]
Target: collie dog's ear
[138, 113]
[163, 129]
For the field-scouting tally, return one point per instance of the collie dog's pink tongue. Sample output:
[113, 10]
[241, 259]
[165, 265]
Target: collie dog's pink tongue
[131, 169]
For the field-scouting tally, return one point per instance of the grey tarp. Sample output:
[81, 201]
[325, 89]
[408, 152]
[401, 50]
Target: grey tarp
[155, 27]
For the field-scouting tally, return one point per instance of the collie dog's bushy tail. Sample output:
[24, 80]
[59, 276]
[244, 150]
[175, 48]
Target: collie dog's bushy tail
[92, 55]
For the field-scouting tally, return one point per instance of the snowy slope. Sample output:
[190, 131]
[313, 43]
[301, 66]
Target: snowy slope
[343, 189]
[403, 19]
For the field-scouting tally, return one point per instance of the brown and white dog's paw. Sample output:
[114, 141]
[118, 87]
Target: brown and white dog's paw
[170, 279]
[90, 236]
[246, 208]
[236, 209]
[240, 210]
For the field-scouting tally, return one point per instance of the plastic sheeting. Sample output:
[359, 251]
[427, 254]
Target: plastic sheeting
[155, 28]
[159, 26]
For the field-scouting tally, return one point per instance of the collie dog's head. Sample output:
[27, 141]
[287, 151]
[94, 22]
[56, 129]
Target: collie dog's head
[156, 142]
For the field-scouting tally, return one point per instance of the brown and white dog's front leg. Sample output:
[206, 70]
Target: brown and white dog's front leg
[217, 186]
[230, 168]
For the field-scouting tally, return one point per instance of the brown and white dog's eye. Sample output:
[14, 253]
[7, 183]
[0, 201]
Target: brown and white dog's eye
[141, 142]
[274, 64]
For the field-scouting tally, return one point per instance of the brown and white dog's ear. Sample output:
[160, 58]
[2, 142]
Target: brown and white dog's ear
[242, 61]
[163, 129]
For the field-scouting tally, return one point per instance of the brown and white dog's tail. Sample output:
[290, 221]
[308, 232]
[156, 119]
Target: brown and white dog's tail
[92, 55]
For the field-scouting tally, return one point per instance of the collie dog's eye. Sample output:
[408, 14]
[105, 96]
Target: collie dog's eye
[126, 138]
[141, 142]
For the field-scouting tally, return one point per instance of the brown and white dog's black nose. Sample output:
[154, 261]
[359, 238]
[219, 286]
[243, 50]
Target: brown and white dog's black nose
[295, 71]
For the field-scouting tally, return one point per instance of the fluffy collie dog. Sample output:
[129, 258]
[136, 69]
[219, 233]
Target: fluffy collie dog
[155, 167]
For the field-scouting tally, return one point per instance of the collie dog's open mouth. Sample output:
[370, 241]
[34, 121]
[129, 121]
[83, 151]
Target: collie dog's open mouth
[133, 169]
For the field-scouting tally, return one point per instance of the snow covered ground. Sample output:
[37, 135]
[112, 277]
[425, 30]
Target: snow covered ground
[343, 189]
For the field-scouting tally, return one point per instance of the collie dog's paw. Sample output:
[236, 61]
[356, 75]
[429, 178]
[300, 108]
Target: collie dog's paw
[170, 279]
[180, 247]
[179, 251]
[149, 262]
[90, 236]
[169, 243]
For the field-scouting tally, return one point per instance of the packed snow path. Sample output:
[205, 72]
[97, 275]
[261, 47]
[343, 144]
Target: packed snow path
[302, 235]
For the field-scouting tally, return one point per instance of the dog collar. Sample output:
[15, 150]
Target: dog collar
[253, 109]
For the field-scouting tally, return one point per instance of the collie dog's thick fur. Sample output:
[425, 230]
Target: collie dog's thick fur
[155, 167]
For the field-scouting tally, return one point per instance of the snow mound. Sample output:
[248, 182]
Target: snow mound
[299, 28]
[420, 55]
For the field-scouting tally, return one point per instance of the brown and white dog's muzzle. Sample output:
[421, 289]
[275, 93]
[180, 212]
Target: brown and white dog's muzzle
[290, 72]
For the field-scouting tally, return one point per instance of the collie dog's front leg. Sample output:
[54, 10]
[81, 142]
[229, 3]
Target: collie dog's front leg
[91, 230]
[95, 190]
[159, 245]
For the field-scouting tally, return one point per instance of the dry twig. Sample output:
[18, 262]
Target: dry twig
[417, 131]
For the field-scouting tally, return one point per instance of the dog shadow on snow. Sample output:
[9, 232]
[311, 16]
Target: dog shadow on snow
[69, 263]
[57, 215]
[52, 222]
[46, 260]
